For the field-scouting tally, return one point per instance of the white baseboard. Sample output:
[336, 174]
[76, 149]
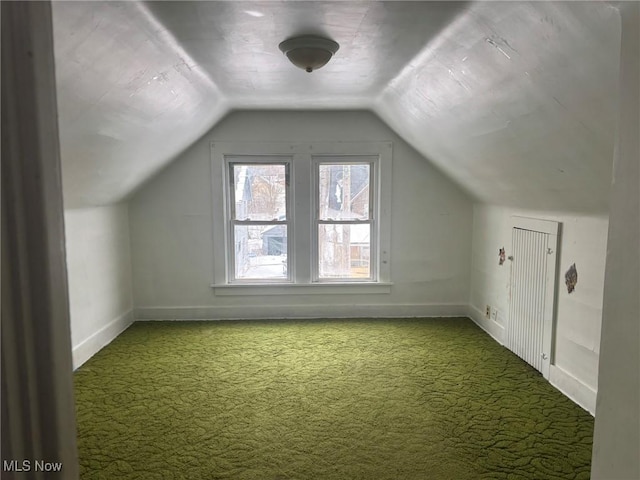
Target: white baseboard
[92, 345]
[492, 328]
[579, 392]
[244, 312]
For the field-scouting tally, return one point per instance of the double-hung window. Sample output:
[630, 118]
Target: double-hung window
[344, 215]
[301, 218]
[258, 219]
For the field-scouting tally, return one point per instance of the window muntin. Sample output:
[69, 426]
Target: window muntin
[344, 218]
[259, 200]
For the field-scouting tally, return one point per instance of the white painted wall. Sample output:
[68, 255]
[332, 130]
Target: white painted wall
[99, 271]
[171, 230]
[583, 241]
[616, 443]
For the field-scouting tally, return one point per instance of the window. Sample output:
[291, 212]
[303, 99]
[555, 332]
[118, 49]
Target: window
[258, 220]
[303, 217]
[344, 219]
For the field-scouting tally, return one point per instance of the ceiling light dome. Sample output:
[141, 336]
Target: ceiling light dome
[309, 52]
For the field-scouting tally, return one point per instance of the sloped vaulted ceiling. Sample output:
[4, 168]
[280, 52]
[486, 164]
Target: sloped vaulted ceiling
[514, 101]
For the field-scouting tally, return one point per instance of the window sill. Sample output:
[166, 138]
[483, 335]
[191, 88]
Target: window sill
[329, 288]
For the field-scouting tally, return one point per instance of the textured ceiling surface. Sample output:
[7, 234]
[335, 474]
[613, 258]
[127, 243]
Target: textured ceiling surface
[515, 101]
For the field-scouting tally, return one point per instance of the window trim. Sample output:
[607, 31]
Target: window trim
[301, 177]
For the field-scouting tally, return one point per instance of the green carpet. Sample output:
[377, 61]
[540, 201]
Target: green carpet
[331, 399]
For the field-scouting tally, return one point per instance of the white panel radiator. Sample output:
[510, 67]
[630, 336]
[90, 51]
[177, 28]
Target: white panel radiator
[533, 271]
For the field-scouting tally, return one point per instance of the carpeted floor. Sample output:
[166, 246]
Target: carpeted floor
[332, 400]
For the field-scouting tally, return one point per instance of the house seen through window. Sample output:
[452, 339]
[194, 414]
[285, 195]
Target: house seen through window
[259, 220]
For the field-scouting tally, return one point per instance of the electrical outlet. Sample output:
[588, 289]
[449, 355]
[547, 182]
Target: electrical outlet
[494, 314]
[487, 312]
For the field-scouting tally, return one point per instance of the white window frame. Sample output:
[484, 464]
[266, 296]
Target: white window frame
[374, 162]
[302, 243]
[230, 205]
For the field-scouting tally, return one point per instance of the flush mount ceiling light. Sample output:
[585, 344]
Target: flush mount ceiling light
[309, 52]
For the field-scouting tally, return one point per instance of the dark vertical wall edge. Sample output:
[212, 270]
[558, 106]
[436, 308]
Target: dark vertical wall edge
[37, 385]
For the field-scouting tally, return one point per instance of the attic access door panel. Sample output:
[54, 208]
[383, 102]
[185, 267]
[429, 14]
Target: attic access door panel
[529, 332]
